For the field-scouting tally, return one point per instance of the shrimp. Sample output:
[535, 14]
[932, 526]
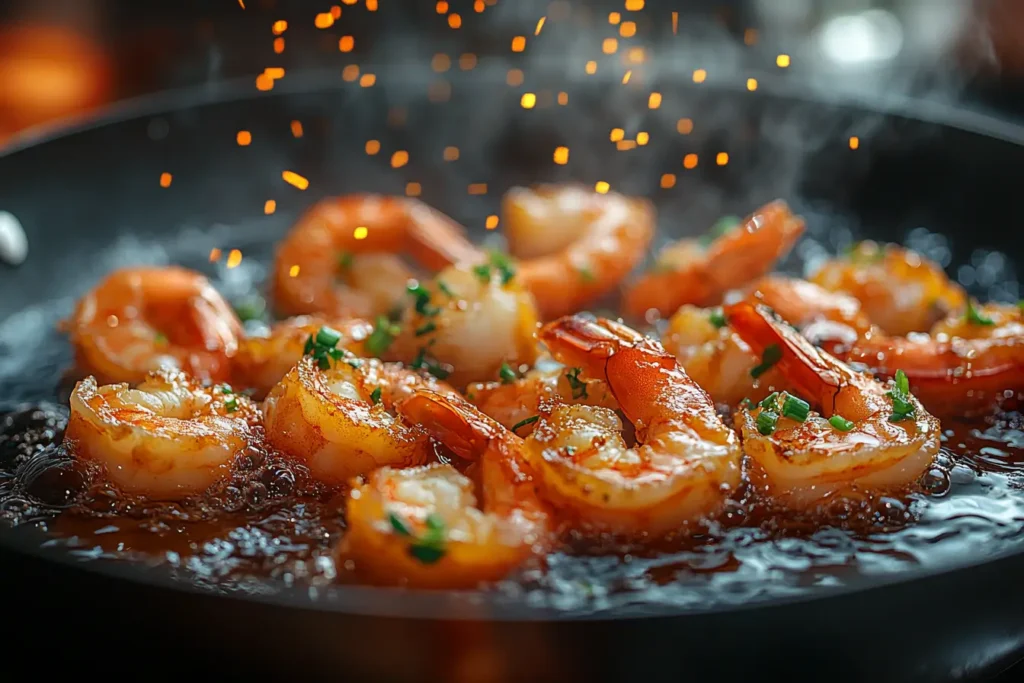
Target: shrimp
[424, 527]
[328, 265]
[859, 435]
[141, 319]
[261, 362]
[513, 400]
[576, 245]
[899, 290]
[965, 366]
[166, 439]
[468, 322]
[338, 420]
[689, 459]
[689, 273]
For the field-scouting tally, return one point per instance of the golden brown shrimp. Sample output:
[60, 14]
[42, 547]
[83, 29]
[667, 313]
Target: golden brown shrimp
[261, 362]
[689, 459]
[166, 439]
[859, 435]
[339, 420]
[467, 322]
[332, 259]
[141, 319]
[688, 273]
[899, 290]
[424, 527]
[966, 365]
[576, 245]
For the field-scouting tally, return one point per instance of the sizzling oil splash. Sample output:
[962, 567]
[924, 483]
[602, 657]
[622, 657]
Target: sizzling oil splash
[271, 525]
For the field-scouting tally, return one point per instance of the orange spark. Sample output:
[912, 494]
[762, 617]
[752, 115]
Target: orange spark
[528, 100]
[214, 255]
[627, 29]
[614, 18]
[467, 61]
[413, 189]
[684, 126]
[454, 20]
[642, 138]
[234, 258]
[367, 80]
[244, 138]
[602, 187]
[293, 271]
[700, 75]
[675, 23]
[294, 179]
[609, 46]
[360, 232]
[540, 25]
[440, 62]
[722, 158]
[514, 77]
[854, 142]
[350, 72]
[324, 20]
[165, 179]
[451, 153]
[690, 161]
[518, 43]
[278, 45]
[346, 43]
[399, 159]
[269, 207]
[372, 147]
[668, 181]
[297, 129]
[477, 188]
[492, 222]
[441, 7]
[561, 155]
[654, 101]
[616, 134]
[279, 27]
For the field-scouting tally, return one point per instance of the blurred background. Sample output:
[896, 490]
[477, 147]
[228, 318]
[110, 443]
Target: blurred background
[62, 58]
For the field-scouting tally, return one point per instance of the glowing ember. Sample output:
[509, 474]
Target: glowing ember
[751, 84]
[295, 180]
[654, 101]
[750, 36]
[616, 134]
[609, 46]
[440, 62]
[668, 181]
[336, 11]
[441, 7]
[274, 72]
[346, 43]
[165, 179]
[293, 271]
[627, 29]
[244, 138]
[297, 129]
[690, 161]
[602, 187]
[634, 5]
[467, 61]
[614, 18]
[528, 100]
[264, 82]
[591, 67]
[699, 76]
[371, 5]
[642, 138]
[782, 61]
[439, 91]
[518, 43]
[451, 153]
[269, 207]
[372, 147]
[675, 23]
[561, 155]
[625, 145]
[563, 98]
[360, 232]
[279, 27]
[540, 25]
[350, 72]
[492, 222]
[454, 20]
[514, 77]
[413, 189]
[367, 80]
[684, 126]
[477, 188]
[234, 258]
[214, 255]
[854, 142]
[278, 45]
[636, 55]
[324, 20]
[399, 159]
[722, 158]
[626, 76]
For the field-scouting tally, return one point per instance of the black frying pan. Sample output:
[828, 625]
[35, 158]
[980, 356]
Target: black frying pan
[80, 192]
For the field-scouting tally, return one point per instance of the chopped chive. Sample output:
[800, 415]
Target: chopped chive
[251, 308]
[427, 554]
[345, 260]
[902, 408]
[722, 226]
[766, 421]
[796, 408]
[226, 389]
[578, 386]
[746, 403]
[375, 396]
[160, 338]
[771, 401]
[772, 355]
[902, 382]
[398, 525]
[976, 317]
[507, 374]
[586, 274]
[430, 547]
[504, 266]
[231, 404]
[434, 522]
[422, 296]
[426, 328]
[384, 333]
[483, 271]
[438, 370]
[445, 289]
[527, 421]
[840, 423]
[327, 336]
[717, 318]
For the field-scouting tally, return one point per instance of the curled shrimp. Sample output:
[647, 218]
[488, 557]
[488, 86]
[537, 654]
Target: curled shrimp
[575, 245]
[338, 420]
[966, 365]
[141, 319]
[424, 526]
[328, 265]
[687, 463]
[468, 322]
[166, 439]
[262, 361]
[899, 290]
[688, 273]
[850, 432]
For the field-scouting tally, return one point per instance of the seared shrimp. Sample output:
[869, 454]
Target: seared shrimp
[836, 429]
[966, 365]
[141, 319]
[899, 290]
[337, 419]
[468, 322]
[261, 362]
[575, 245]
[688, 273]
[325, 265]
[166, 439]
[689, 459]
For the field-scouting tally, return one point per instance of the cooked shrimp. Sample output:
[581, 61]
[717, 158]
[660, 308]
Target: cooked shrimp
[688, 273]
[467, 323]
[860, 434]
[689, 459]
[338, 420]
[899, 290]
[261, 362]
[141, 319]
[576, 245]
[328, 265]
[166, 439]
[513, 400]
[804, 304]
[966, 365]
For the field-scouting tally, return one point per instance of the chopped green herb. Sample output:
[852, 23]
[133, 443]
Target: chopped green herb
[507, 374]
[976, 317]
[345, 260]
[160, 338]
[231, 404]
[438, 370]
[865, 252]
[226, 389]
[902, 408]
[722, 226]
[570, 450]
[527, 421]
[586, 275]
[483, 271]
[445, 289]
[384, 333]
[427, 554]
[375, 396]
[504, 266]
[251, 308]
[772, 355]
[717, 318]
[398, 525]
[354, 362]
[327, 336]
[840, 423]
[771, 401]
[796, 408]
[422, 296]
[746, 403]
[321, 345]
[578, 386]
[766, 421]
[426, 328]
[429, 548]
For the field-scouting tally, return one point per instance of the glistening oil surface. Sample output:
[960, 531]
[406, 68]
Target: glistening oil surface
[270, 525]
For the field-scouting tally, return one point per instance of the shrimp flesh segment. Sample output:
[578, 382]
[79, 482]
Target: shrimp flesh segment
[337, 421]
[808, 306]
[467, 323]
[141, 319]
[687, 463]
[576, 245]
[261, 362]
[424, 527]
[965, 366]
[688, 273]
[166, 439]
[862, 436]
[899, 290]
[324, 265]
